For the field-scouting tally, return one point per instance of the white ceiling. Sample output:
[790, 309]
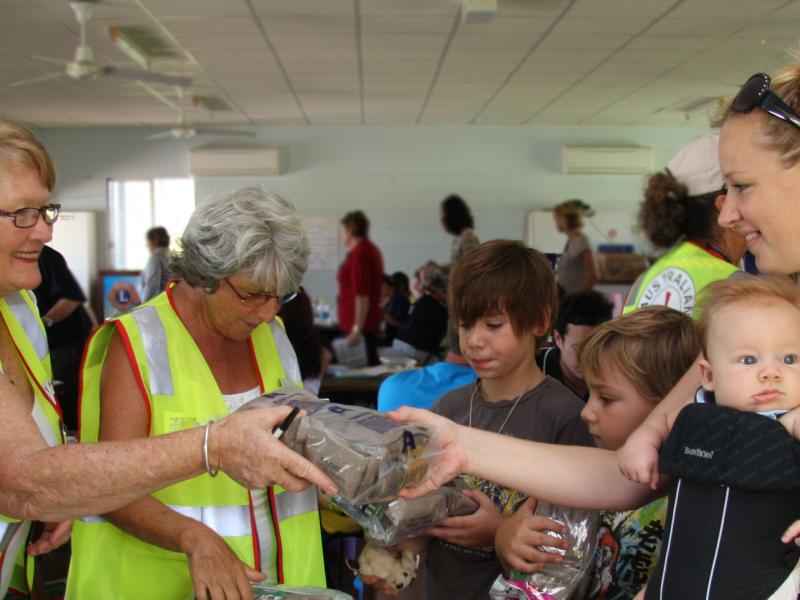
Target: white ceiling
[399, 61]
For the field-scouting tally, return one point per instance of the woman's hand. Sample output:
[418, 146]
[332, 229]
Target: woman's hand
[519, 536]
[54, 535]
[217, 573]
[243, 446]
[449, 455]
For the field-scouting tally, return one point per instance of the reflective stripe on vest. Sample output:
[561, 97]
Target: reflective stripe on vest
[154, 339]
[226, 521]
[30, 324]
[288, 505]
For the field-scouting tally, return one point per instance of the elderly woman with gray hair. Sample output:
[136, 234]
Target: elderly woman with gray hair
[196, 352]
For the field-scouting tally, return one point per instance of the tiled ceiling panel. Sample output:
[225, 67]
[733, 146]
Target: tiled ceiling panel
[394, 61]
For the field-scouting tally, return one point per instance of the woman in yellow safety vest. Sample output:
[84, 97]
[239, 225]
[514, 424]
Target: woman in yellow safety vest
[679, 214]
[40, 477]
[194, 353]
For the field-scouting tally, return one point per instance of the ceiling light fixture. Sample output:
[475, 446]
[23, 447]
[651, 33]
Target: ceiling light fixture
[130, 48]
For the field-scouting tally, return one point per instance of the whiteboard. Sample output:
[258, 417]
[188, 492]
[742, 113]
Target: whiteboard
[74, 237]
[603, 228]
[323, 240]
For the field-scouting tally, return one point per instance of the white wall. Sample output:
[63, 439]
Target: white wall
[396, 174]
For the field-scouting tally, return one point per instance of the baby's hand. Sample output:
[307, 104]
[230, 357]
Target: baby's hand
[792, 533]
[638, 458]
[791, 421]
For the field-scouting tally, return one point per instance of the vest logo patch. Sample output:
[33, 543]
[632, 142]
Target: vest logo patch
[673, 288]
[698, 452]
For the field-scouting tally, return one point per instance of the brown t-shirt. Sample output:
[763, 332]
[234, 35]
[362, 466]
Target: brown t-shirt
[547, 413]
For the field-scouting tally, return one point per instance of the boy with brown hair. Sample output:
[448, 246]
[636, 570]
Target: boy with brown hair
[503, 297]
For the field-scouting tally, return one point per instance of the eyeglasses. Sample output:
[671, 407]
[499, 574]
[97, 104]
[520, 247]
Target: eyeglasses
[25, 218]
[261, 298]
[755, 93]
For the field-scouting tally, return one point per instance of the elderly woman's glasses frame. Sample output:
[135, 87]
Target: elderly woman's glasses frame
[261, 298]
[755, 93]
[25, 218]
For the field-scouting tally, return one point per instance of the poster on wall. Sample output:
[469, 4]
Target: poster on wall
[323, 239]
[118, 292]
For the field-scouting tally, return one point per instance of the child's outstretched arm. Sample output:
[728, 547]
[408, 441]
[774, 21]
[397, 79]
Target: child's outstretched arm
[568, 475]
[638, 458]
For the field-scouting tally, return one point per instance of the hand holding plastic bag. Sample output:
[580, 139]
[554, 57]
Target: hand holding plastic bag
[369, 457]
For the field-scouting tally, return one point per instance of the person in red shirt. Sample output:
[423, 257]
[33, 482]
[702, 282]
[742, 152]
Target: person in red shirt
[360, 279]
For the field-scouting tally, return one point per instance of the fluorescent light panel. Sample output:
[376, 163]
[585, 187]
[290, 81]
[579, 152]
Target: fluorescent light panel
[130, 48]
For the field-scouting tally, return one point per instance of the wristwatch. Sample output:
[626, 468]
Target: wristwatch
[48, 322]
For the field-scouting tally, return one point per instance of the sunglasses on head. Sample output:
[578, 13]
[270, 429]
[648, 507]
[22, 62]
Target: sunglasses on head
[755, 93]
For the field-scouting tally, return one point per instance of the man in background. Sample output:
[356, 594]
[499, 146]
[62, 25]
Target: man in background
[578, 315]
[67, 323]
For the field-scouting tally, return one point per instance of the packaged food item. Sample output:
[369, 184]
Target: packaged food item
[387, 523]
[556, 581]
[369, 457]
[283, 592]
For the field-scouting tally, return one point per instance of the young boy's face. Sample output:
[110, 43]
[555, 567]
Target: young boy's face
[614, 409]
[753, 360]
[493, 349]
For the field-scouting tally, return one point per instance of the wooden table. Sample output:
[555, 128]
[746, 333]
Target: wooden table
[354, 386]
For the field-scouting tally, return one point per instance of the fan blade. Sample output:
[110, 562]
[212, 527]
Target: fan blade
[49, 59]
[159, 136]
[142, 75]
[44, 77]
[225, 132]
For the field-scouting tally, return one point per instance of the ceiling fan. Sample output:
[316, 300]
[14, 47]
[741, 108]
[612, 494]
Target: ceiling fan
[83, 66]
[185, 129]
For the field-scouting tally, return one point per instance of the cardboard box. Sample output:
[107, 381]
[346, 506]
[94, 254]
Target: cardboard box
[620, 267]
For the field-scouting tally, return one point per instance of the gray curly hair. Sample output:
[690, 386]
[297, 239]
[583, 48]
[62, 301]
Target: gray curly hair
[249, 231]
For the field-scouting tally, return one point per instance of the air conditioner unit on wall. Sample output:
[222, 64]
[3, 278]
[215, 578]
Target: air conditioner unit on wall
[230, 161]
[607, 160]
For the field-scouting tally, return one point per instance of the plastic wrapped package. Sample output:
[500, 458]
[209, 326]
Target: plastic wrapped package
[387, 523]
[556, 581]
[368, 457]
[282, 592]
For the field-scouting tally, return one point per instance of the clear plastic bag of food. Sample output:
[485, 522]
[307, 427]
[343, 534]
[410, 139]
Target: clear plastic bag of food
[556, 581]
[387, 523]
[263, 591]
[369, 457]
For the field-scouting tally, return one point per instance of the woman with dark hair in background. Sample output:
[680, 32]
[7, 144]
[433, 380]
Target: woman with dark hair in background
[457, 221]
[360, 280]
[312, 357]
[575, 270]
[680, 210]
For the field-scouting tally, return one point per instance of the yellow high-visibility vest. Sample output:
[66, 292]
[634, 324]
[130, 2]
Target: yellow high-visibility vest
[18, 311]
[180, 392]
[677, 278]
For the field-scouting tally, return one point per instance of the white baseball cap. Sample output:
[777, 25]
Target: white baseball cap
[696, 165]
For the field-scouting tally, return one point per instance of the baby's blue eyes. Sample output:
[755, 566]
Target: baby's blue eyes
[788, 359]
